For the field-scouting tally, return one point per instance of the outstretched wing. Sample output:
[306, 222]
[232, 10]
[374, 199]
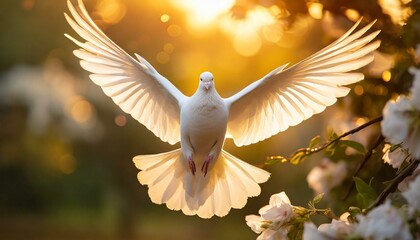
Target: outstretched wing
[133, 85]
[284, 98]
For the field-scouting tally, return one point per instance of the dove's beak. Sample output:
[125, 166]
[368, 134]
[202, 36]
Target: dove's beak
[207, 85]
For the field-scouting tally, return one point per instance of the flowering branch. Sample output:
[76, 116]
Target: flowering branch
[394, 184]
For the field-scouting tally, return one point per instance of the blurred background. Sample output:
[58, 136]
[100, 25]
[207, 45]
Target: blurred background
[66, 150]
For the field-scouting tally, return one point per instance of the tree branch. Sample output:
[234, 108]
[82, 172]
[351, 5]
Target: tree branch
[394, 184]
[355, 130]
[367, 156]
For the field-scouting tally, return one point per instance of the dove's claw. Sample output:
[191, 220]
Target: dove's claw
[206, 164]
[191, 164]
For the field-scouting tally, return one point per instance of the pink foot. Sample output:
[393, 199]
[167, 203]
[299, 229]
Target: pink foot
[191, 164]
[206, 164]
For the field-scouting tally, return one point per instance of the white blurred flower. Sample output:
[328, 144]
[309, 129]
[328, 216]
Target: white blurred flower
[310, 232]
[383, 222]
[401, 124]
[394, 158]
[337, 229]
[395, 125]
[326, 176]
[413, 195]
[51, 94]
[270, 234]
[272, 224]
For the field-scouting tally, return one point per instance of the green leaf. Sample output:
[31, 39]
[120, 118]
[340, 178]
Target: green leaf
[314, 142]
[298, 156]
[318, 198]
[355, 145]
[366, 194]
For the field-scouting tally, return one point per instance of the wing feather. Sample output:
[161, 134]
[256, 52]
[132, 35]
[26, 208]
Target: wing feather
[134, 85]
[286, 97]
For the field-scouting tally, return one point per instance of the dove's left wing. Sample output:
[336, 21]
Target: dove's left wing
[285, 98]
[133, 85]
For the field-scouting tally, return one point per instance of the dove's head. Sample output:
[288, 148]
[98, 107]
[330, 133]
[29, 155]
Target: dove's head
[206, 80]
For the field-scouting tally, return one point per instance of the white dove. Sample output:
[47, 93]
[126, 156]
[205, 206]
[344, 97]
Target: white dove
[283, 98]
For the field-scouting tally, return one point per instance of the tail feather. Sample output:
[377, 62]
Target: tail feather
[227, 185]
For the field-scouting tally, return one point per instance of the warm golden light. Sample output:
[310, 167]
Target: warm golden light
[111, 11]
[352, 14]
[79, 109]
[247, 44]
[203, 12]
[386, 76]
[244, 31]
[315, 10]
[358, 90]
[396, 10]
[168, 48]
[162, 57]
[174, 30]
[164, 18]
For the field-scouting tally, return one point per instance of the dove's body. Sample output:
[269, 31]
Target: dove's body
[204, 119]
[282, 98]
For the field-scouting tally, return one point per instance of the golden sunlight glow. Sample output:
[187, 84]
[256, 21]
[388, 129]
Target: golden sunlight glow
[396, 10]
[164, 18]
[386, 75]
[162, 57]
[244, 31]
[352, 14]
[79, 109]
[315, 10]
[359, 121]
[111, 11]
[203, 12]
[174, 30]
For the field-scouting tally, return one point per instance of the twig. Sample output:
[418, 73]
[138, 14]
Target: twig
[394, 184]
[355, 130]
[367, 156]
[309, 151]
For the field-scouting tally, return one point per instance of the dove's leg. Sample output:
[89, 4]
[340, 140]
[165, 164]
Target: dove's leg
[191, 165]
[214, 154]
[188, 152]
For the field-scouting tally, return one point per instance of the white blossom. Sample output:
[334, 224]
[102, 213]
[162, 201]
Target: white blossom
[337, 229]
[310, 232]
[413, 194]
[272, 224]
[255, 223]
[326, 176]
[401, 124]
[383, 222]
[279, 209]
[395, 125]
[394, 158]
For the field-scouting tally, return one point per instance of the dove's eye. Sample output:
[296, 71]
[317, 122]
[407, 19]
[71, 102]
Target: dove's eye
[201, 79]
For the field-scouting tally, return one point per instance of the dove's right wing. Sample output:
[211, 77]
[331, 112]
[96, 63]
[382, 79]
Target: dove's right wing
[133, 85]
[286, 97]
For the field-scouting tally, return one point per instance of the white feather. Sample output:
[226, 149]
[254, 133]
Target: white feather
[301, 90]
